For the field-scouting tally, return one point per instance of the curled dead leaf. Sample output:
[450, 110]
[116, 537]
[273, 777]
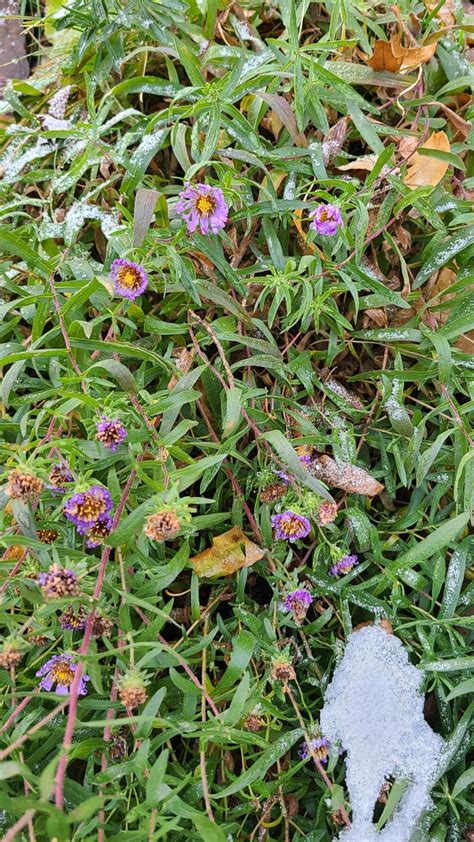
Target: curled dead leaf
[343, 475]
[229, 552]
[423, 170]
[366, 162]
[393, 57]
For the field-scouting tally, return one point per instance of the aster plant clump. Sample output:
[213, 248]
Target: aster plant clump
[236, 346]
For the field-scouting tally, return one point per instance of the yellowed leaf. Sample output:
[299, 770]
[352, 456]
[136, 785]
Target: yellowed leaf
[229, 552]
[383, 57]
[367, 162]
[423, 170]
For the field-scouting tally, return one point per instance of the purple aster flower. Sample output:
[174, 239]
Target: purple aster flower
[320, 747]
[130, 278]
[344, 565]
[326, 219]
[204, 206]
[110, 433]
[84, 508]
[298, 602]
[57, 582]
[290, 526]
[98, 531]
[60, 670]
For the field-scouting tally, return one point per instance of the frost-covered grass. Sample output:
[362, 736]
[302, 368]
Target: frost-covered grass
[318, 366]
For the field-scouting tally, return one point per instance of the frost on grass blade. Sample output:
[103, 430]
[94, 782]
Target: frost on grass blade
[373, 706]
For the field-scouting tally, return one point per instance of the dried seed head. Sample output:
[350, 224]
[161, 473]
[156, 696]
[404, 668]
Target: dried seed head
[57, 582]
[118, 747]
[73, 618]
[273, 492]
[48, 536]
[132, 690]
[327, 512]
[23, 486]
[102, 626]
[282, 671]
[253, 723]
[162, 526]
[10, 656]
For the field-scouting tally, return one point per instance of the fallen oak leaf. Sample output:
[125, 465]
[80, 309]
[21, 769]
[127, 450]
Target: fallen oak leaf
[343, 475]
[424, 170]
[392, 56]
[229, 552]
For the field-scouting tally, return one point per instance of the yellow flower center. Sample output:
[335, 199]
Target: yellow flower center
[290, 527]
[205, 205]
[324, 216]
[62, 673]
[128, 277]
[321, 752]
[90, 509]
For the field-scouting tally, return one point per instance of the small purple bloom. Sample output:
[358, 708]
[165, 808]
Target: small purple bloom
[130, 278]
[110, 433]
[320, 747]
[300, 595]
[326, 219]
[59, 476]
[84, 508]
[60, 670]
[344, 565]
[58, 582]
[204, 206]
[291, 526]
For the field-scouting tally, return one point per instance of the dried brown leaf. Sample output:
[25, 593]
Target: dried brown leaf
[345, 476]
[229, 552]
[424, 170]
[392, 56]
[333, 141]
[366, 162]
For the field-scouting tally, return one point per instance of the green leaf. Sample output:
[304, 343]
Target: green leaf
[258, 770]
[449, 249]
[155, 779]
[438, 540]
[244, 646]
[464, 780]
[120, 373]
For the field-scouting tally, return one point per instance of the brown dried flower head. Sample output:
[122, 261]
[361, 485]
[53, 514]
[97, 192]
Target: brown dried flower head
[253, 723]
[162, 526]
[10, 656]
[282, 671]
[102, 626]
[48, 536]
[23, 486]
[272, 492]
[132, 690]
[327, 512]
[58, 581]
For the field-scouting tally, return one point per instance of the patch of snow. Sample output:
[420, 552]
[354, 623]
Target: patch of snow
[373, 706]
